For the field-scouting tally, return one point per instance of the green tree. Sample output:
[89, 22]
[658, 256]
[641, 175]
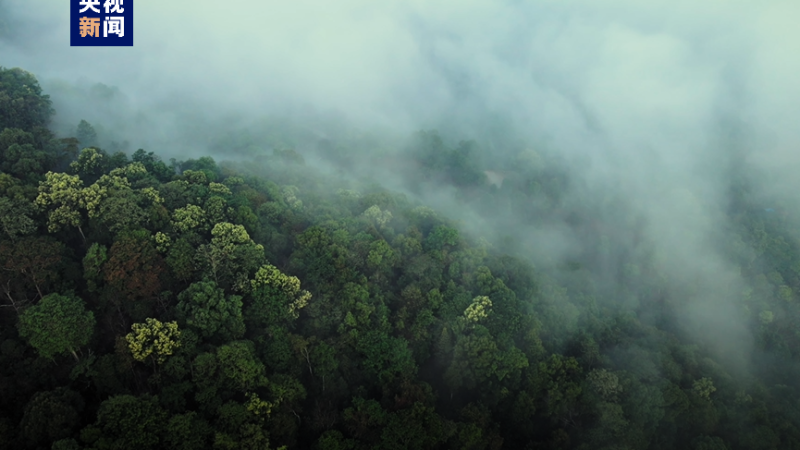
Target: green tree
[26, 161]
[187, 431]
[180, 258]
[15, 217]
[703, 388]
[474, 359]
[153, 165]
[275, 297]
[217, 209]
[93, 262]
[86, 134]
[91, 164]
[120, 207]
[62, 196]
[127, 422]
[417, 427]
[58, 324]
[205, 308]
[29, 263]
[231, 256]
[605, 384]
[230, 368]
[440, 238]
[51, 415]
[189, 218]
[385, 357]
[558, 378]
[334, 440]
[22, 104]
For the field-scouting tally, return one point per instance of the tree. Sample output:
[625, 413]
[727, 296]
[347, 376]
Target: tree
[374, 215]
[334, 440]
[417, 427]
[51, 415]
[217, 209]
[117, 206]
[14, 217]
[187, 431]
[58, 324]
[703, 388]
[381, 258]
[30, 262]
[153, 164]
[129, 422]
[558, 378]
[240, 426]
[189, 218]
[62, 196]
[25, 161]
[93, 262]
[231, 367]
[231, 256]
[22, 104]
[474, 359]
[12, 136]
[385, 357]
[364, 419]
[86, 134]
[91, 164]
[153, 339]
[604, 384]
[275, 297]
[205, 308]
[22, 153]
[479, 309]
[134, 266]
[180, 258]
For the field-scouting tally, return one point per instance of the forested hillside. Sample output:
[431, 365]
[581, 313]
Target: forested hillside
[190, 305]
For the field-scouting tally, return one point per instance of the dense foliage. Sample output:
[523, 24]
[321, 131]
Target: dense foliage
[194, 305]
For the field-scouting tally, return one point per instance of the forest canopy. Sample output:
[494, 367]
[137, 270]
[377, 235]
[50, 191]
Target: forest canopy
[199, 304]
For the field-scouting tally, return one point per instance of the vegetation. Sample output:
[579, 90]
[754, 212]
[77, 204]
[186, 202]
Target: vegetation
[197, 305]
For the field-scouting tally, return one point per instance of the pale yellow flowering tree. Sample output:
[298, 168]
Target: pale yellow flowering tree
[61, 195]
[188, 218]
[275, 297]
[231, 256]
[154, 339]
[479, 309]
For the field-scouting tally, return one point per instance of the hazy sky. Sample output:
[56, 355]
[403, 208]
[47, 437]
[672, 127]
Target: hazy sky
[589, 65]
[653, 99]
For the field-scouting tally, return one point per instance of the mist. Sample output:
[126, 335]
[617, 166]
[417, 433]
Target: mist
[650, 108]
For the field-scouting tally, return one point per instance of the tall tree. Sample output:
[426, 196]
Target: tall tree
[29, 263]
[275, 298]
[153, 339]
[126, 421]
[86, 134]
[22, 104]
[58, 324]
[52, 415]
[62, 196]
[231, 256]
[205, 308]
[134, 267]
